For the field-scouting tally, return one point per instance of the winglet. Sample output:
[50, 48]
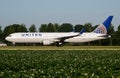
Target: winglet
[82, 31]
[103, 28]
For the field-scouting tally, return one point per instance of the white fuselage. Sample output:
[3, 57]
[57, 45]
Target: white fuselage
[48, 38]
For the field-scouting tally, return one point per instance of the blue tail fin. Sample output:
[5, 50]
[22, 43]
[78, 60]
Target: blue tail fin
[82, 31]
[103, 28]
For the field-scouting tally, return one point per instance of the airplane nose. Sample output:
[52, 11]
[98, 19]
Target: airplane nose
[7, 38]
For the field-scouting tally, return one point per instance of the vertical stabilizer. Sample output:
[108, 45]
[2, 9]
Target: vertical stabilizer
[103, 28]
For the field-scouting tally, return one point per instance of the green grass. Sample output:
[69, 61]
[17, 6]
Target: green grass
[59, 63]
[60, 48]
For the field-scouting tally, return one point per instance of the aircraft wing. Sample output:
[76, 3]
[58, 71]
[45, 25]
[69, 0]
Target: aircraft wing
[71, 36]
[66, 37]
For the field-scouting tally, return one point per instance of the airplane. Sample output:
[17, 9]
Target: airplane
[60, 38]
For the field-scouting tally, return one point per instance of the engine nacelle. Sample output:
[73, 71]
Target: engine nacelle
[47, 42]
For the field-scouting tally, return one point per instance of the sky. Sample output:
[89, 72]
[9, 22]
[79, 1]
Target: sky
[39, 12]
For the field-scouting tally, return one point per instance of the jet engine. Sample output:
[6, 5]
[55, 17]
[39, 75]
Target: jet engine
[47, 42]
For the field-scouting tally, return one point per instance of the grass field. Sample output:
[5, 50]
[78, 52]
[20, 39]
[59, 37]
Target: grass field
[59, 64]
[60, 48]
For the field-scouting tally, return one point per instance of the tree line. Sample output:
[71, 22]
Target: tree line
[65, 27]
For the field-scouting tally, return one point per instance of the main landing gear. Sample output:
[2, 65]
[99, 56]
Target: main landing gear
[59, 44]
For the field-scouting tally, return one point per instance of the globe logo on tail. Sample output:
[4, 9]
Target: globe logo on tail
[101, 29]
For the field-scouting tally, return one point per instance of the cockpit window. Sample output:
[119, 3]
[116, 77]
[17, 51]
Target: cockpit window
[10, 36]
